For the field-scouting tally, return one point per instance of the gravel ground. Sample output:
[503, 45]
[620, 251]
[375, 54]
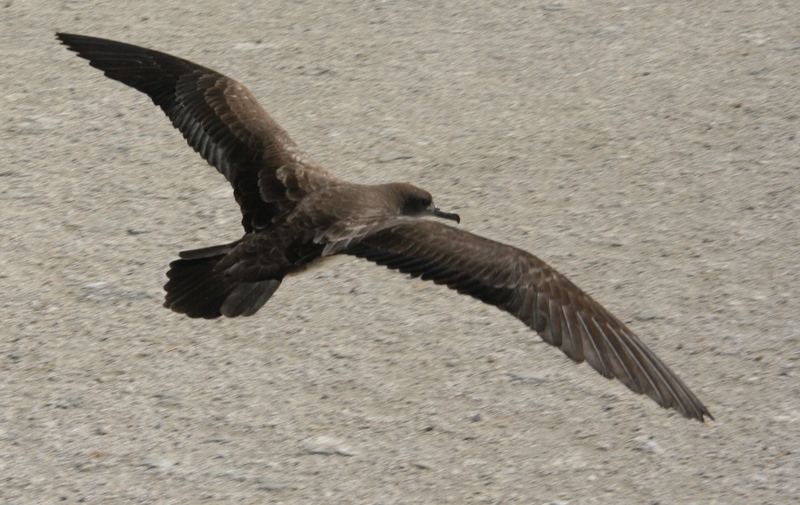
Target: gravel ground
[649, 150]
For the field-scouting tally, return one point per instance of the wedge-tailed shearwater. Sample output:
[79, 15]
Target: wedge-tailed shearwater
[295, 212]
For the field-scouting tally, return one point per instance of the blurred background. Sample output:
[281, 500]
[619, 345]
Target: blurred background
[648, 150]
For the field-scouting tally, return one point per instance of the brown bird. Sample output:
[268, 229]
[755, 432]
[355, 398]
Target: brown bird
[294, 212]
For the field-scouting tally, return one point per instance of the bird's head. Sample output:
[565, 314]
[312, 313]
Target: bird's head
[416, 202]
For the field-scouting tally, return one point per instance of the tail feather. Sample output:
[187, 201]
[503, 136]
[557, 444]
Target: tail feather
[197, 289]
[247, 297]
[207, 252]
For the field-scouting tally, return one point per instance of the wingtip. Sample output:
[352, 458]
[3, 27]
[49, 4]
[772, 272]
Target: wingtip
[71, 40]
[67, 39]
[698, 412]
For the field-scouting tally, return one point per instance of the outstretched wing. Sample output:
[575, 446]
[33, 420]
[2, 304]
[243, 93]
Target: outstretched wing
[219, 118]
[529, 289]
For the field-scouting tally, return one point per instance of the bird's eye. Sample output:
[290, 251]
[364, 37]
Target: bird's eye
[415, 206]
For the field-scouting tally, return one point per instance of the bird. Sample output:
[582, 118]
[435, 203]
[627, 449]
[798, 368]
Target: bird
[295, 213]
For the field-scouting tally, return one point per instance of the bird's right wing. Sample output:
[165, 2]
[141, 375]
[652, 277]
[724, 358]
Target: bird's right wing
[529, 289]
[218, 117]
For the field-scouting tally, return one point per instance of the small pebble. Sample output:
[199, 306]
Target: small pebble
[388, 157]
[326, 445]
[271, 484]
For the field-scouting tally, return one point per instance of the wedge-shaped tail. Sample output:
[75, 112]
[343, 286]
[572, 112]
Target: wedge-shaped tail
[196, 288]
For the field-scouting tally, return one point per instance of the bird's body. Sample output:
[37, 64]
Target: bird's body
[212, 281]
[295, 213]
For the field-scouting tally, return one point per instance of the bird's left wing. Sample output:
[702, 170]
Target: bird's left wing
[219, 118]
[529, 289]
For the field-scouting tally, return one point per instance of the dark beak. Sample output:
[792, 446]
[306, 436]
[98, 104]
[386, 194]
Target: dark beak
[444, 215]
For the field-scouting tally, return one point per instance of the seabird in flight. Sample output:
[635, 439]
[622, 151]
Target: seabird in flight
[295, 212]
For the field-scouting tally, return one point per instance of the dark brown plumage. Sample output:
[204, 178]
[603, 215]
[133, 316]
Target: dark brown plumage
[294, 212]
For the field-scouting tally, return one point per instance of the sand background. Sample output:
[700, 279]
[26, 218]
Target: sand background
[649, 150]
